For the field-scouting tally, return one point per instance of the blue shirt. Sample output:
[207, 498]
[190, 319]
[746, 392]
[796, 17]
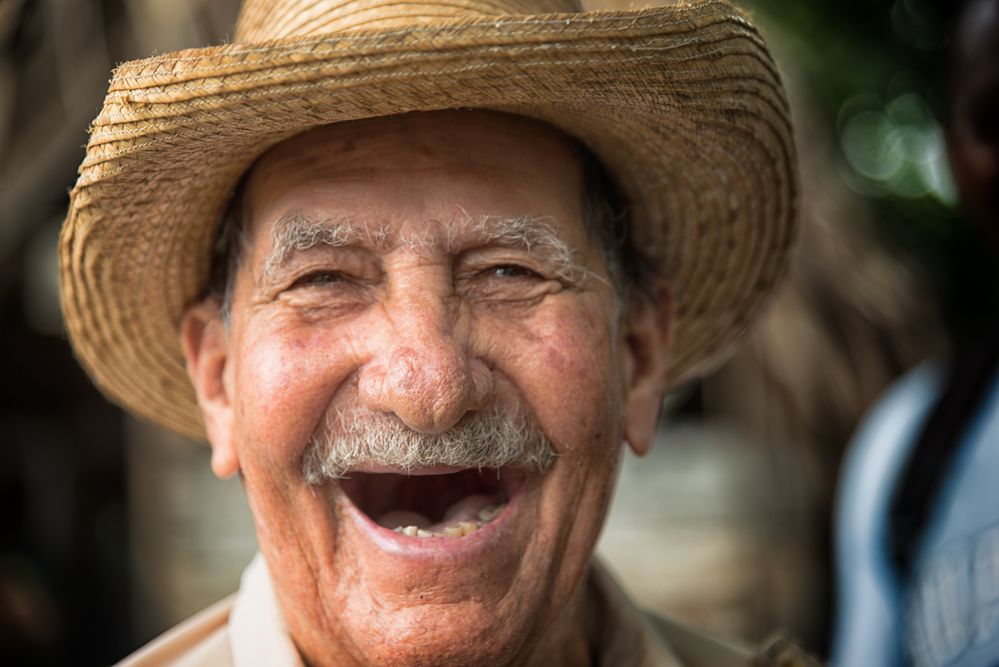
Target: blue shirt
[949, 613]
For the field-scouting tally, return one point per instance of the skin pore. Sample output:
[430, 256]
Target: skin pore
[424, 299]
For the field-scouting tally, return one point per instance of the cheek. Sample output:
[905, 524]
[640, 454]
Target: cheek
[285, 381]
[565, 367]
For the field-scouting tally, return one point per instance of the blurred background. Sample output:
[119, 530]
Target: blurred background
[112, 530]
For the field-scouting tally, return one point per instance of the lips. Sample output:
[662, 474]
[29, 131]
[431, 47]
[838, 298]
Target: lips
[450, 504]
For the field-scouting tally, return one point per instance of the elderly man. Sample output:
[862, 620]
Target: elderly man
[460, 251]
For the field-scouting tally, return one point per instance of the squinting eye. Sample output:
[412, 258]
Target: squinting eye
[319, 278]
[511, 271]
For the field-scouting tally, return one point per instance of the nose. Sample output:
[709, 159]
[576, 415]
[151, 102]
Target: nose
[425, 372]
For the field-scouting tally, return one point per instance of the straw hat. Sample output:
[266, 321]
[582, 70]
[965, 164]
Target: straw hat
[683, 104]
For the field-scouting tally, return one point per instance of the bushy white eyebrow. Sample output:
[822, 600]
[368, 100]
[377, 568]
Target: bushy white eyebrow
[537, 235]
[298, 233]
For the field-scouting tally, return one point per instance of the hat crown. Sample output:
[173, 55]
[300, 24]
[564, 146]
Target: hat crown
[264, 20]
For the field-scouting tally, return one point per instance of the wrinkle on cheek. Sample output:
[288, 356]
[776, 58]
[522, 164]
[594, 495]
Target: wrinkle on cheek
[577, 349]
[288, 391]
[567, 347]
[577, 364]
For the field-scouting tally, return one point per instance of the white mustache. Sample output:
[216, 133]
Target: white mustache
[349, 439]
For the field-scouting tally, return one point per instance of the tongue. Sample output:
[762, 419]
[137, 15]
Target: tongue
[397, 518]
[466, 509]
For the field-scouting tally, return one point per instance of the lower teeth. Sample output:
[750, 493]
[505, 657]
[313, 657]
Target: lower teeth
[460, 529]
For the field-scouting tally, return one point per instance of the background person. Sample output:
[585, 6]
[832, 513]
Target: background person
[918, 527]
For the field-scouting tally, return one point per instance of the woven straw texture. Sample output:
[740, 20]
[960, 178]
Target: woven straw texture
[682, 103]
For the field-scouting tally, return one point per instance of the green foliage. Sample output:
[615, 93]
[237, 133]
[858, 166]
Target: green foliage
[877, 72]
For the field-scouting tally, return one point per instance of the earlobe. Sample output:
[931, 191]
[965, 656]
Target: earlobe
[204, 340]
[647, 340]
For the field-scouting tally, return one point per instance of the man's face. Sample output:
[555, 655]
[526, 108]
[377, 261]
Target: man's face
[411, 274]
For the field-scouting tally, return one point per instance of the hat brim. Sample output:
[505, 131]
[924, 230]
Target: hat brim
[683, 104]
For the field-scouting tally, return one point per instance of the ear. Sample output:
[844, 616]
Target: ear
[205, 341]
[647, 337]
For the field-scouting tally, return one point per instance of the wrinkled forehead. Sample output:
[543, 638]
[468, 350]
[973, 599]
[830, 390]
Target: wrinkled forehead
[425, 136]
[420, 176]
[429, 183]
[489, 158]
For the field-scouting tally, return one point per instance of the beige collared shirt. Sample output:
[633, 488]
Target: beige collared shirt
[247, 630]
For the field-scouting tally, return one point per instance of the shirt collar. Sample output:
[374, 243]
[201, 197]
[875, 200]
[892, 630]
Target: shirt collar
[258, 633]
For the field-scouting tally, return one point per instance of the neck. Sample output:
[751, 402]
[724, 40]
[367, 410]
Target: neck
[569, 642]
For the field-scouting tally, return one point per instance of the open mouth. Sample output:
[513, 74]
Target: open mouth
[451, 505]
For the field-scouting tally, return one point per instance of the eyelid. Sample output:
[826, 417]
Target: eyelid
[306, 278]
[345, 264]
[491, 256]
[522, 269]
